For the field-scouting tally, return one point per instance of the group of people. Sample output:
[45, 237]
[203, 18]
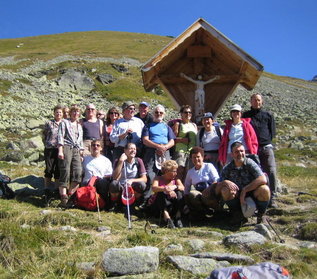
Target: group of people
[174, 168]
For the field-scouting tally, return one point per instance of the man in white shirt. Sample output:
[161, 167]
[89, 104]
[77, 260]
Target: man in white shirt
[98, 165]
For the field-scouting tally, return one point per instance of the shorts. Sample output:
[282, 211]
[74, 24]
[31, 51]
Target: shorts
[182, 159]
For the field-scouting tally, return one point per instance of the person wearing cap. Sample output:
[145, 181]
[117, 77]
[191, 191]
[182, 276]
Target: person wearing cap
[97, 165]
[157, 138]
[144, 113]
[131, 170]
[209, 138]
[92, 127]
[126, 129]
[263, 123]
[237, 129]
[242, 178]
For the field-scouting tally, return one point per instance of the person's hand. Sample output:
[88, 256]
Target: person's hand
[123, 157]
[172, 194]
[170, 188]
[61, 155]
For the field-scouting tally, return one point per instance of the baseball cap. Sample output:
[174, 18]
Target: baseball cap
[127, 104]
[145, 104]
[208, 115]
[236, 107]
[127, 196]
[248, 208]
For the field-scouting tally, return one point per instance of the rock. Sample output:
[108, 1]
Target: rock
[72, 79]
[264, 230]
[196, 244]
[13, 146]
[67, 229]
[46, 212]
[232, 258]
[193, 265]
[248, 238]
[140, 259]
[88, 267]
[103, 229]
[105, 78]
[307, 244]
[172, 248]
[120, 68]
[34, 123]
[13, 156]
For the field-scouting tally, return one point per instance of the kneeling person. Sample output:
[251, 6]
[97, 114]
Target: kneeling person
[97, 165]
[242, 178]
[129, 169]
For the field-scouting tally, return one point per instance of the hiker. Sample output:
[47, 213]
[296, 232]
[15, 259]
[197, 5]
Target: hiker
[112, 116]
[144, 113]
[129, 169]
[185, 132]
[168, 195]
[209, 138]
[157, 139]
[50, 132]
[240, 179]
[263, 123]
[125, 130]
[101, 115]
[237, 129]
[70, 150]
[92, 127]
[97, 165]
[65, 112]
[200, 183]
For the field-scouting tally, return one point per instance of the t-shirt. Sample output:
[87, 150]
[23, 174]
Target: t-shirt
[158, 132]
[186, 130]
[241, 176]
[132, 170]
[236, 134]
[96, 166]
[207, 173]
[210, 141]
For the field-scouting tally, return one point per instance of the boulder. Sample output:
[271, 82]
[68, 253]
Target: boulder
[105, 78]
[140, 259]
[248, 238]
[72, 79]
[232, 258]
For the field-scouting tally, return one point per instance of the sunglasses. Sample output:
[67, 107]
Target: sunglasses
[95, 145]
[187, 112]
[112, 112]
[159, 112]
[90, 109]
[132, 109]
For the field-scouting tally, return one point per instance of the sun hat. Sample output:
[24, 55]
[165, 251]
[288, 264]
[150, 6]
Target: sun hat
[127, 196]
[236, 107]
[145, 104]
[159, 160]
[248, 208]
[208, 115]
[127, 104]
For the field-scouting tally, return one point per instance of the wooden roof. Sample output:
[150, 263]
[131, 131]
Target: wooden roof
[201, 49]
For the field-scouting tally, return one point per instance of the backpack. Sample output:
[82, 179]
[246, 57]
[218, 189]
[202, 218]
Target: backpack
[86, 197]
[202, 131]
[265, 270]
[5, 191]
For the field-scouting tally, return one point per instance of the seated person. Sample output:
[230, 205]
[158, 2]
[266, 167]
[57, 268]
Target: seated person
[242, 178]
[158, 138]
[100, 166]
[200, 183]
[168, 194]
[129, 169]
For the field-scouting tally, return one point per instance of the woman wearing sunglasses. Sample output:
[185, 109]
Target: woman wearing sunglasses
[112, 115]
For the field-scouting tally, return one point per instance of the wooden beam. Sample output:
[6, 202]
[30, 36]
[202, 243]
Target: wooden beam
[198, 51]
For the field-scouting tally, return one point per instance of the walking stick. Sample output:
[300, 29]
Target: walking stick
[127, 193]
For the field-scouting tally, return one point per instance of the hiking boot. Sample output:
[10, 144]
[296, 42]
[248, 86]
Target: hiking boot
[237, 219]
[170, 224]
[64, 201]
[259, 219]
[178, 223]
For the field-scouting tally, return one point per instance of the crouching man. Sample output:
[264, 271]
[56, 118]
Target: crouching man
[98, 165]
[243, 178]
[129, 169]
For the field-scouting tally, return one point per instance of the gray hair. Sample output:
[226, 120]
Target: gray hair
[162, 108]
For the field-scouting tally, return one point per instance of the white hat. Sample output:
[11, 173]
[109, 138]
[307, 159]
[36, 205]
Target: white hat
[236, 107]
[248, 208]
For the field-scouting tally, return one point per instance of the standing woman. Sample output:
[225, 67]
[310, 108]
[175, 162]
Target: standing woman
[51, 151]
[185, 132]
[237, 129]
[70, 150]
[92, 127]
[112, 116]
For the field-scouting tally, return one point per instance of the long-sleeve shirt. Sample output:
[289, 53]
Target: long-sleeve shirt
[70, 133]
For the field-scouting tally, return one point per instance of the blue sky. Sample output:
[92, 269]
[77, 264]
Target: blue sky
[280, 34]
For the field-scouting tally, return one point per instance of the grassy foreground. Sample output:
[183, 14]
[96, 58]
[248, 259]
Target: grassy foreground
[33, 246]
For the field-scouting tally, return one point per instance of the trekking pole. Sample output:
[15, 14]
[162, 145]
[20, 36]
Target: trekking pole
[127, 193]
[98, 209]
[278, 236]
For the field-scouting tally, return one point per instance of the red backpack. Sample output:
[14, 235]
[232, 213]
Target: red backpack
[86, 197]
